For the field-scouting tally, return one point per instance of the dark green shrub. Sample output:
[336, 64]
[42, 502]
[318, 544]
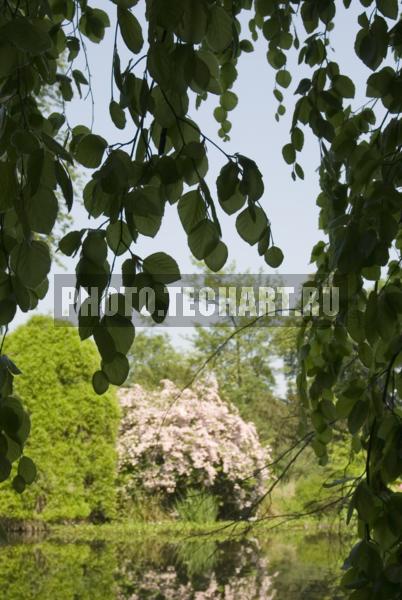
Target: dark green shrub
[73, 432]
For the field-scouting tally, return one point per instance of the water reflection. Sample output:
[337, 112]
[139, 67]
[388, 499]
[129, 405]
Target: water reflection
[230, 570]
[197, 569]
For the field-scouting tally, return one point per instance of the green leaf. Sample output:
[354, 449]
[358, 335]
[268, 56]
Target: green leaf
[66, 186]
[104, 343]
[192, 210]
[194, 150]
[303, 87]
[276, 58]
[162, 267]
[251, 224]
[117, 114]
[27, 470]
[42, 211]
[228, 74]
[71, 242]
[193, 21]
[365, 502]
[264, 241]
[297, 137]
[9, 185]
[25, 141]
[274, 257]
[117, 369]
[31, 262]
[379, 83]
[246, 46]
[100, 382]
[130, 30]
[120, 327]
[289, 154]
[79, 79]
[14, 449]
[129, 269]
[56, 148]
[220, 114]
[8, 308]
[93, 23]
[203, 239]
[90, 150]
[227, 182]
[252, 184]
[94, 247]
[5, 468]
[355, 325]
[366, 354]
[219, 32]
[19, 484]
[283, 78]
[148, 209]
[125, 3]
[168, 170]
[228, 100]
[26, 299]
[371, 45]
[344, 86]
[216, 260]
[26, 36]
[357, 416]
[389, 8]
[118, 237]
[161, 303]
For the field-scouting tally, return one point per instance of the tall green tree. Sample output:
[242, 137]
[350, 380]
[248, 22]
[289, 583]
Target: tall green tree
[246, 356]
[246, 367]
[153, 357]
[188, 49]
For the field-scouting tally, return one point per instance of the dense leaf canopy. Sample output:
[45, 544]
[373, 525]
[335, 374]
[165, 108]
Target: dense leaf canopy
[188, 49]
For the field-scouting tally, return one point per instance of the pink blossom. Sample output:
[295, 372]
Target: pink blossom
[171, 441]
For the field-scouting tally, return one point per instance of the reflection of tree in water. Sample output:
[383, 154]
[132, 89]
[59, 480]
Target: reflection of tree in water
[197, 569]
[201, 570]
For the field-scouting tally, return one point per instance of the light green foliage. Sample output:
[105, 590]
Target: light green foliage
[57, 571]
[197, 507]
[243, 369]
[73, 430]
[244, 360]
[153, 358]
[139, 507]
[318, 491]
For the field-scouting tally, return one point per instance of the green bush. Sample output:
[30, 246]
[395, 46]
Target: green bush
[73, 432]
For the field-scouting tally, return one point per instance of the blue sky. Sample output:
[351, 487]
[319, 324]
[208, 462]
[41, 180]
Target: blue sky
[290, 206]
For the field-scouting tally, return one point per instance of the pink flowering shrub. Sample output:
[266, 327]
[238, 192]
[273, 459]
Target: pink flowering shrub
[170, 443]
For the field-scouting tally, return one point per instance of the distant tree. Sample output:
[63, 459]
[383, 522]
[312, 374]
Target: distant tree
[250, 362]
[153, 357]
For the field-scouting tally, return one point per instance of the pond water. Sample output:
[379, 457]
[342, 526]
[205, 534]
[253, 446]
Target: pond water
[279, 567]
